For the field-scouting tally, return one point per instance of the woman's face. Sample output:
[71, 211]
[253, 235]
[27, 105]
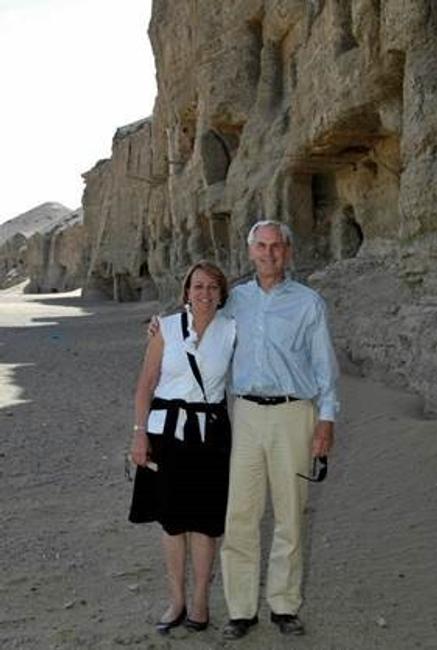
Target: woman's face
[204, 293]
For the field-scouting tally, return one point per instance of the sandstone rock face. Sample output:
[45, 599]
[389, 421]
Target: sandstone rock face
[277, 109]
[116, 202]
[54, 256]
[311, 112]
[319, 113]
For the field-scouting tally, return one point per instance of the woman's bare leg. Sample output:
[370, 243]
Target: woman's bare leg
[202, 557]
[175, 551]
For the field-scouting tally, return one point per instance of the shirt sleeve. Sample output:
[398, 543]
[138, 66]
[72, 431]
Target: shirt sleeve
[228, 308]
[324, 364]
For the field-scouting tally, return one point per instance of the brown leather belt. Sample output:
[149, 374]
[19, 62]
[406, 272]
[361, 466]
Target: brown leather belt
[269, 401]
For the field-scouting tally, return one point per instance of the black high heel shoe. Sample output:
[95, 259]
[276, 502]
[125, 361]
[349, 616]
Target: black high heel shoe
[165, 626]
[196, 626]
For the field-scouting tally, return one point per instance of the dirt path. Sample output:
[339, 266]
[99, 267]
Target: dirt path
[75, 574]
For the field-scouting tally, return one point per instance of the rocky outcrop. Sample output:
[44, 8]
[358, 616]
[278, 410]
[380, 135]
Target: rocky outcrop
[320, 113]
[13, 261]
[15, 235]
[381, 329]
[35, 220]
[55, 256]
[116, 204]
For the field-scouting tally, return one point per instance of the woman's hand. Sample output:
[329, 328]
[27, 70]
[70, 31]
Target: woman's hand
[140, 449]
[153, 327]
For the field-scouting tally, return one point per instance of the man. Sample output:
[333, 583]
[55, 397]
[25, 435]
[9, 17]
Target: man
[284, 378]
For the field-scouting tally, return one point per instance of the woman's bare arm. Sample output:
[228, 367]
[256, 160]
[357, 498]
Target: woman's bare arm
[147, 382]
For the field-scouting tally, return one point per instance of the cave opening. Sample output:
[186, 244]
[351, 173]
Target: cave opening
[218, 147]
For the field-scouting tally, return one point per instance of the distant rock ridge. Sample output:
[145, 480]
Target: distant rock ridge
[35, 220]
[16, 234]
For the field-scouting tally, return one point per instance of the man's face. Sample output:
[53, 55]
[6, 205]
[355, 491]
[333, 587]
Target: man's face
[269, 253]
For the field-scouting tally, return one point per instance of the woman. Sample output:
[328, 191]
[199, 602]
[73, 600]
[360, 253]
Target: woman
[187, 436]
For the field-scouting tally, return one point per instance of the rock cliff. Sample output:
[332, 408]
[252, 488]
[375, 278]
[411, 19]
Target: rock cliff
[15, 235]
[13, 261]
[55, 256]
[116, 205]
[317, 113]
[320, 113]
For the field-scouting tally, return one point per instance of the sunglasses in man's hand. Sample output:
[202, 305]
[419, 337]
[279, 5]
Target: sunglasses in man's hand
[320, 470]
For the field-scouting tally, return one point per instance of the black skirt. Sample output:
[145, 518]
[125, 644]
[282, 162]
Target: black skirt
[189, 491]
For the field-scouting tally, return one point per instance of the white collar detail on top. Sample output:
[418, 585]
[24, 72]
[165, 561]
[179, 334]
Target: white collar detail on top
[192, 341]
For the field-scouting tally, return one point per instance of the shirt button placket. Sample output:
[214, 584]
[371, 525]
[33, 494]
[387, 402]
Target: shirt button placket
[259, 337]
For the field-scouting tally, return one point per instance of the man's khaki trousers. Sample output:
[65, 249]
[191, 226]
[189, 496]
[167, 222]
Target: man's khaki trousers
[270, 445]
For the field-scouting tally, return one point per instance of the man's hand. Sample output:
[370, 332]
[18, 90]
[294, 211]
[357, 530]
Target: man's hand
[323, 438]
[153, 327]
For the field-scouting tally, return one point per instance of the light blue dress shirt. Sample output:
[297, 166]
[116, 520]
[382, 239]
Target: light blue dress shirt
[283, 344]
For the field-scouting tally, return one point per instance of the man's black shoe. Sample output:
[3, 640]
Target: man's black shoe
[236, 628]
[288, 623]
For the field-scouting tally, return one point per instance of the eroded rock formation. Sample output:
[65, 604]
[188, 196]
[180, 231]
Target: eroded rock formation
[298, 111]
[16, 234]
[13, 261]
[320, 113]
[55, 256]
[39, 218]
[116, 204]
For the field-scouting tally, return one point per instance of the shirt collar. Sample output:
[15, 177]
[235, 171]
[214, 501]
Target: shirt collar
[277, 287]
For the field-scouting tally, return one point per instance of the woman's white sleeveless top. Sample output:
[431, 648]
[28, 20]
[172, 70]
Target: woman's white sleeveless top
[213, 355]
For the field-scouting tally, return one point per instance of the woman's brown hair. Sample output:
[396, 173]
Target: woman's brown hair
[214, 272]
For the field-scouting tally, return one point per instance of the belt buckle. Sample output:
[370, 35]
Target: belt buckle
[277, 399]
[272, 401]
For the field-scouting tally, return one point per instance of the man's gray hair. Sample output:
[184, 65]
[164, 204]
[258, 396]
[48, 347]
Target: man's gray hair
[286, 234]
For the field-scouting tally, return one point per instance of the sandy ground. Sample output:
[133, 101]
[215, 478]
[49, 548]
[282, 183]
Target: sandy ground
[76, 574]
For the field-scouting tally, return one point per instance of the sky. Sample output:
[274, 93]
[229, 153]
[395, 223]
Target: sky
[71, 72]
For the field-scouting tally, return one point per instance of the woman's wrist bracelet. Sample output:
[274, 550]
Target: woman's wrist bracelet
[139, 427]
